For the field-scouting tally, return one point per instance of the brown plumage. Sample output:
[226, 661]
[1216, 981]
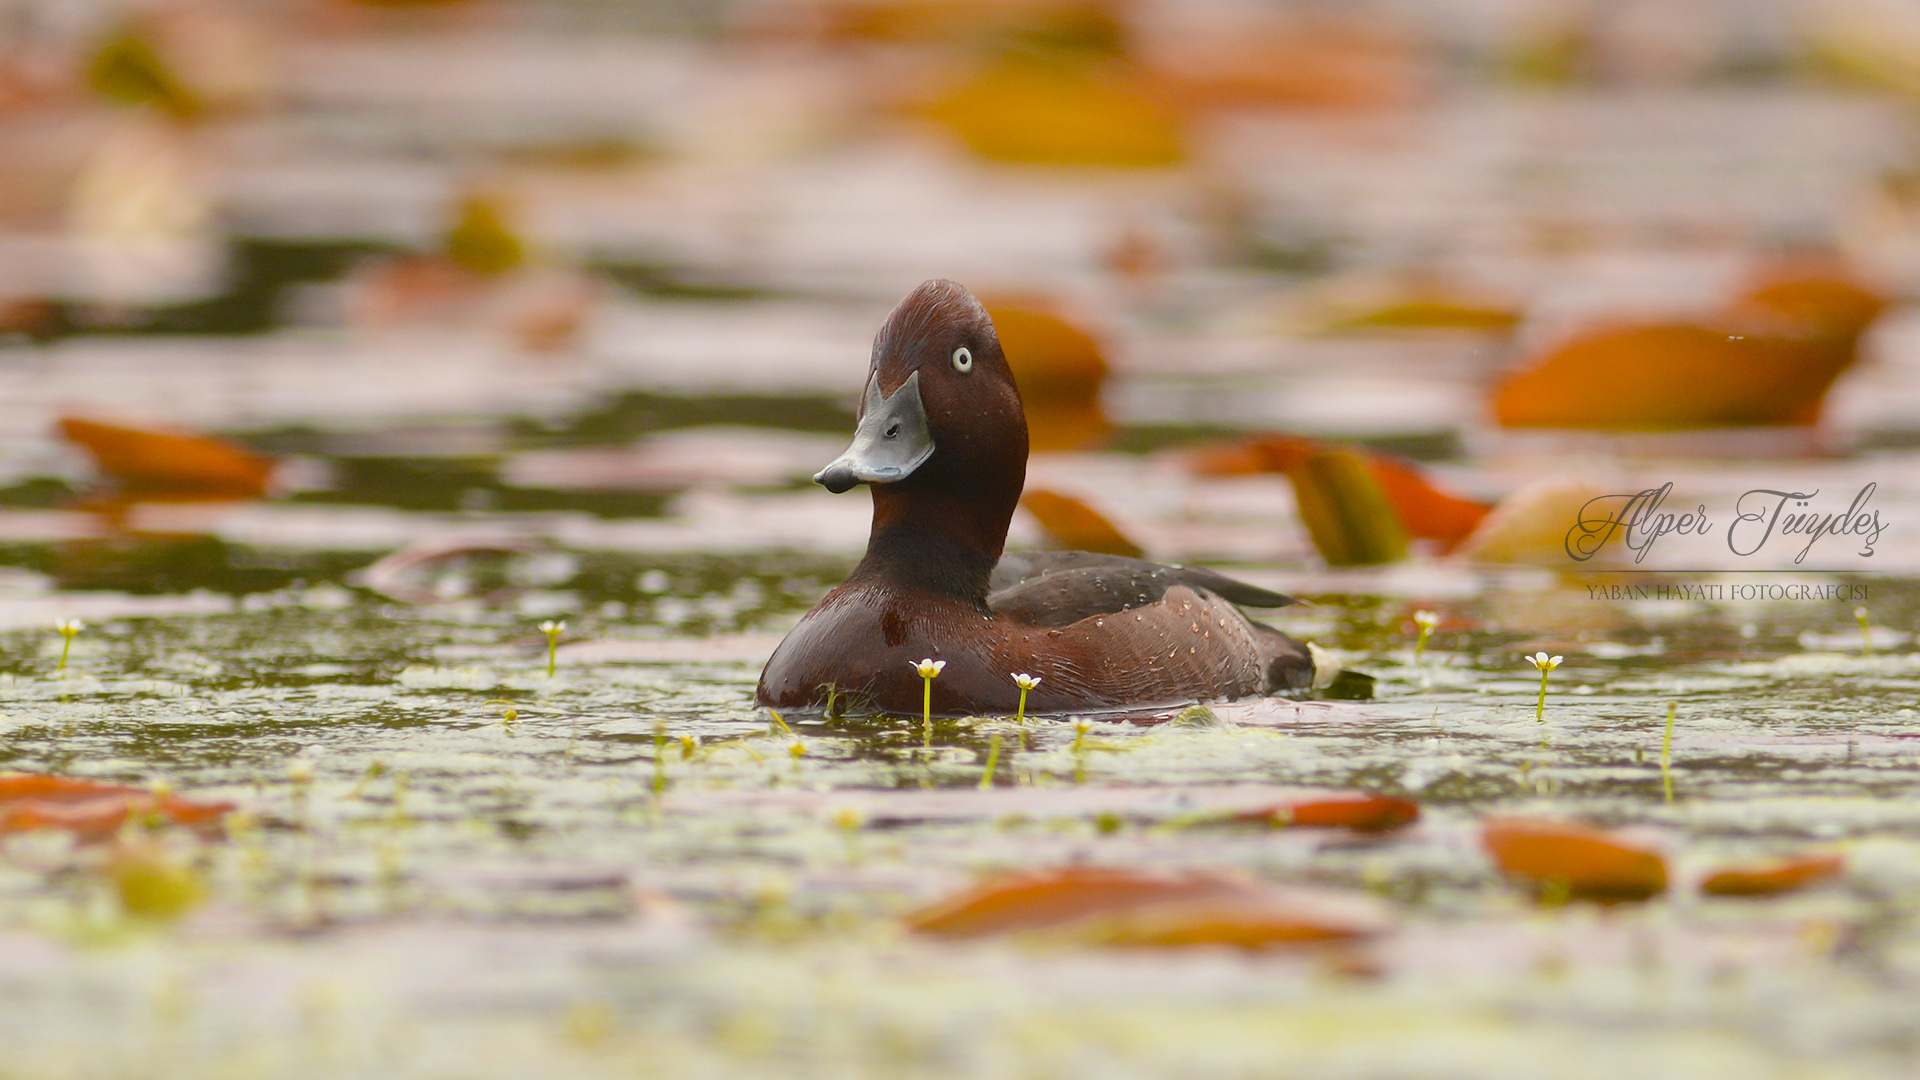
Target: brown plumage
[942, 442]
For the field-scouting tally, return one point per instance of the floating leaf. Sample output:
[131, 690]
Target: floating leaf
[1076, 526]
[1579, 861]
[1531, 525]
[1346, 510]
[1257, 920]
[1087, 24]
[1779, 876]
[129, 69]
[164, 461]
[1364, 812]
[1768, 359]
[1037, 112]
[482, 241]
[1031, 899]
[1428, 313]
[1059, 369]
[153, 884]
[1664, 376]
[1424, 510]
[89, 809]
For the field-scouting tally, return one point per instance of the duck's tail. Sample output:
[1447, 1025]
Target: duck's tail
[1297, 669]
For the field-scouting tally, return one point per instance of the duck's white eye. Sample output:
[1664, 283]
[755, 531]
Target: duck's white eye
[962, 360]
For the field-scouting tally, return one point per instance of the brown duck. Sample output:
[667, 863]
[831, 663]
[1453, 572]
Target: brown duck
[942, 441]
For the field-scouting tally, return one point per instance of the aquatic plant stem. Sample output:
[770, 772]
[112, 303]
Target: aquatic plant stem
[1666, 752]
[929, 670]
[659, 758]
[67, 631]
[1426, 621]
[1545, 664]
[553, 630]
[1866, 631]
[993, 759]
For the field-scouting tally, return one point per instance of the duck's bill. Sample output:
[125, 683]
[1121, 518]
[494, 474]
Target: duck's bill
[891, 440]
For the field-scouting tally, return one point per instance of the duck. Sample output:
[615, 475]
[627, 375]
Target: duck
[941, 441]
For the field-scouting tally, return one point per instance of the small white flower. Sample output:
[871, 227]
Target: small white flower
[1860, 613]
[551, 628]
[70, 627]
[1426, 620]
[1544, 662]
[928, 668]
[300, 771]
[1026, 682]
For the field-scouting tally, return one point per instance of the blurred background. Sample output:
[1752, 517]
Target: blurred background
[350, 275]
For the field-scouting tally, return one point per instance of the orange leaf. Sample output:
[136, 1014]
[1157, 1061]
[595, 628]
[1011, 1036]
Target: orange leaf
[1076, 526]
[1768, 879]
[1027, 900]
[1059, 112]
[1252, 921]
[1588, 863]
[1430, 313]
[166, 461]
[1424, 510]
[89, 809]
[1815, 294]
[1059, 369]
[1364, 812]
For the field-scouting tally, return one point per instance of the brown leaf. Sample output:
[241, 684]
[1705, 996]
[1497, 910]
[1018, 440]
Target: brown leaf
[1663, 376]
[1530, 525]
[1061, 112]
[1585, 862]
[1059, 368]
[1433, 312]
[89, 809]
[1031, 899]
[1769, 358]
[1346, 510]
[163, 461]
[1076, 526]
[1424, 510]
[1363, 812]
[1257, 920]
[1772, 878]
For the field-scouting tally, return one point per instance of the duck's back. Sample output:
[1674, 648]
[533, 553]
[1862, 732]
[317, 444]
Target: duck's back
[1100, 633]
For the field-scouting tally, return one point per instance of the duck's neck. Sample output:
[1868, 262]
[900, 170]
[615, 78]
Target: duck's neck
[933, 541]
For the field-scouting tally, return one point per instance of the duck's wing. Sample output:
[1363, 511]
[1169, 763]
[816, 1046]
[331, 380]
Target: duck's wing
[1080, 585]
[1047, 588]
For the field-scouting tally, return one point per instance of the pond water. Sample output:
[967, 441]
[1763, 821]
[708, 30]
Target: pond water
[564, 300]
[448, 862]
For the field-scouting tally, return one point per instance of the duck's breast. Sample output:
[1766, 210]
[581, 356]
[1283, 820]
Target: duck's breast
[861, 644]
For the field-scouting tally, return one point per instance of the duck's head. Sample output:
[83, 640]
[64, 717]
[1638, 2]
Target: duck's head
[940, 412]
